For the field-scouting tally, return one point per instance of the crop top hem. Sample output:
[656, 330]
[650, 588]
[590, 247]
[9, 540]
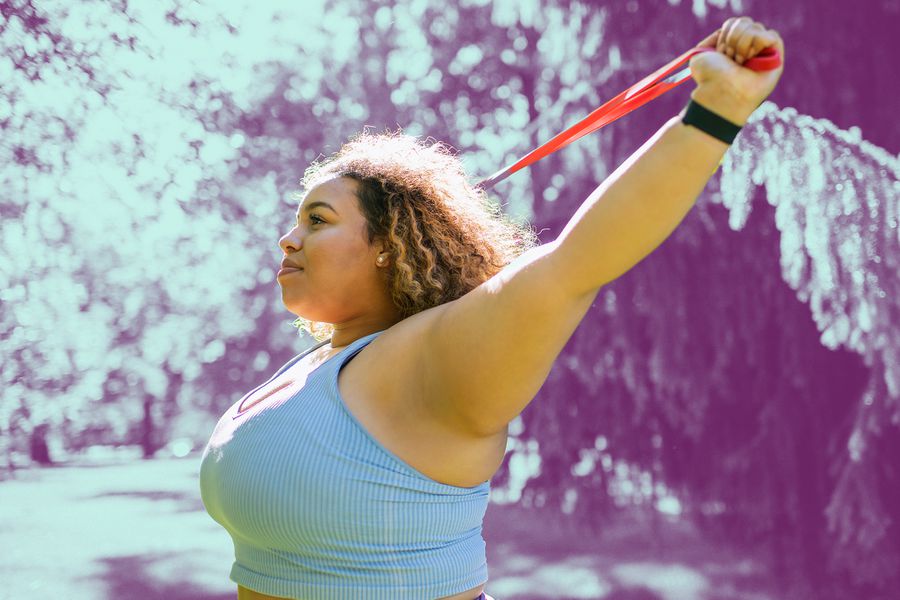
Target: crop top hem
[299, 590]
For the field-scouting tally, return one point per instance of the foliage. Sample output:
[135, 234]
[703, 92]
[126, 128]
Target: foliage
[743, 376]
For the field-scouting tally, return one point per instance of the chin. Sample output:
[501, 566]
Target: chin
[309, 315]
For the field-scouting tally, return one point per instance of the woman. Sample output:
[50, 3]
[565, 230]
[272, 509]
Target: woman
[362, 468]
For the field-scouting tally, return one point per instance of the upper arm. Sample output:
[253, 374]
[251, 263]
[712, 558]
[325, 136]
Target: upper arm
[487, 354]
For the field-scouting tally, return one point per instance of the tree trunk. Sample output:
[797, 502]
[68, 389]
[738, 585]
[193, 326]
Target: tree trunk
[37, 447]
[148, 429]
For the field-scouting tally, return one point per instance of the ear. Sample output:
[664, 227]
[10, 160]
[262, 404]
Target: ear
[381, 246]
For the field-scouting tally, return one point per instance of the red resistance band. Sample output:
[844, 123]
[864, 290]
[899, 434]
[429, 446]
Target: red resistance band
[637, 95]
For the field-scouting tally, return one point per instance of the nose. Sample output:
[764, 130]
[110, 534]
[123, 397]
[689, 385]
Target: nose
[290, 242]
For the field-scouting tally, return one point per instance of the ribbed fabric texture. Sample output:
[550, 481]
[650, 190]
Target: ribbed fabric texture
[320, 510]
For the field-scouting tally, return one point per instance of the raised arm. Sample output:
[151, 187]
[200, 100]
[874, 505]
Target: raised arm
[641, 203]
[487, 354]
[637, 207]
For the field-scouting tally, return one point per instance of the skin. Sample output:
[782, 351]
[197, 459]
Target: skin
[723, 85]
[342, 283]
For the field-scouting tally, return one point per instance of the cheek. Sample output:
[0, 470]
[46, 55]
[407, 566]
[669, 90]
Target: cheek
[339, 257]
[340, 265]
[350, 254]
[342, 269]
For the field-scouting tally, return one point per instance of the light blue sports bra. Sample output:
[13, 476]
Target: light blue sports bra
[319, 509]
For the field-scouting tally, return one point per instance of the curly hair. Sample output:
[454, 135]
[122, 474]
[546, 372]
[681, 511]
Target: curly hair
[446, 237]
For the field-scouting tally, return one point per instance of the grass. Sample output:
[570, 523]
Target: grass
[138, 530]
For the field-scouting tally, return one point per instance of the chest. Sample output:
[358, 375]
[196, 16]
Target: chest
[378, 389]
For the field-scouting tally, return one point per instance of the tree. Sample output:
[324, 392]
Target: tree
[745, 375]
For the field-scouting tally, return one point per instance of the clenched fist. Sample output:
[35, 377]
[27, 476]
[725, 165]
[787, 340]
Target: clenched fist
[720, 76]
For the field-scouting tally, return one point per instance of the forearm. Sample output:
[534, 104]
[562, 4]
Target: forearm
[639, 205]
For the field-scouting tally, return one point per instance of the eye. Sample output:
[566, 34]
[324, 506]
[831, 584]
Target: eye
[316, 219]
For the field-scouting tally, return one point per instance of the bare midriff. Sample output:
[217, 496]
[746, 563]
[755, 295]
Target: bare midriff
[248, 594]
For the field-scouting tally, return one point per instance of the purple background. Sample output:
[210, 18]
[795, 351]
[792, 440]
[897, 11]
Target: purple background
[741, 382]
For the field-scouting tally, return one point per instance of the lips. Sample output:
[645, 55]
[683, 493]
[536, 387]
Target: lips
[286, 264]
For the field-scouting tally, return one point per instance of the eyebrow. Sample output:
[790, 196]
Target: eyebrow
[316, 204]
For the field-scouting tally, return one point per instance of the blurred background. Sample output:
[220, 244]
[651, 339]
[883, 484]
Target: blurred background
[725, 423]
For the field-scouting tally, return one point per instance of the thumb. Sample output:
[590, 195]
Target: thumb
[710, 41]
[711, 65]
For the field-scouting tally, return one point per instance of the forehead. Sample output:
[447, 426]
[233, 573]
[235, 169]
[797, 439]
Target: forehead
[339, 192]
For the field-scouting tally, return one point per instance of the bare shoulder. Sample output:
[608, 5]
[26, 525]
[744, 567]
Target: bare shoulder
[392, 362]
[473, 364]
[383, 387]
[485, 355]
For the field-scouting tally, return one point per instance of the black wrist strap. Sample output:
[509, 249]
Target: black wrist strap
[708, 121]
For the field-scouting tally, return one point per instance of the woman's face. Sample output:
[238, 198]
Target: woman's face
[339, 280]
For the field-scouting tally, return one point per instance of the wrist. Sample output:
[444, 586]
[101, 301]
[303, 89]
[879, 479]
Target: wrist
[724, 101]
[699, 117]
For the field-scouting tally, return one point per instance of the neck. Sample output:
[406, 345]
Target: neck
[346, 334]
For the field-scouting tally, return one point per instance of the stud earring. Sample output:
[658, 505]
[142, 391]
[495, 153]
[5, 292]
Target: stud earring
[380, 260]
